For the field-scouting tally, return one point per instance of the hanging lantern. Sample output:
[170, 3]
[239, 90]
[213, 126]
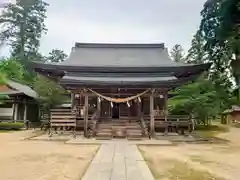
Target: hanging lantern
[77, 95]
[128, 104]
[139, 99]
[161, 96]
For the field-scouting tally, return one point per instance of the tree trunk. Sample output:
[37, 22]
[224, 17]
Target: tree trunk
[236, 73]
[238, 76]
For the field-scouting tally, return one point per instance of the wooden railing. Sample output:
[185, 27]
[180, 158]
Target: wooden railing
[144, 126]
[93, 124]
[62, 119]
[177, 123]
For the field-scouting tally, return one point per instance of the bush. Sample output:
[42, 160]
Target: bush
[11, 126]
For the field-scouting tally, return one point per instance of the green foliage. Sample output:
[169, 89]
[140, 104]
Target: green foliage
[220, 30]
[11, 125]
[50, 92]
[202, 99]
[2, 79]
[22, 27]
[2, 82]
[12, 69]
[196, 53]
[177, 53]
[56, 56]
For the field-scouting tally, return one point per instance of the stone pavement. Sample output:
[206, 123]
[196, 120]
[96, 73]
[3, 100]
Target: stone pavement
[118, 161]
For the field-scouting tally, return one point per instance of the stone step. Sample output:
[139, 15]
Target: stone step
[103, 138]
[119, 129]
[115, 126]
[104, 131]
[104, 135]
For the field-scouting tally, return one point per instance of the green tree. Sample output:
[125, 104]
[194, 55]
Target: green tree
[56, 56]
[12, 69]
[177, 53]
[2, 82]
[50, 92]
[22, 27]
[201, 99]
[220, 30]
[197, 54]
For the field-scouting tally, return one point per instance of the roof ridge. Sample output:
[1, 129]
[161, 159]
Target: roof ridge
[119, 45]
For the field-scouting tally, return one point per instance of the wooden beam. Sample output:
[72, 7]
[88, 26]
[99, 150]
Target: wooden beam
[139, 109]
[86, 115]
[25, 113]
[14, 111]
[72, 100]
[152, 123]
[98, 105]
[166, 110]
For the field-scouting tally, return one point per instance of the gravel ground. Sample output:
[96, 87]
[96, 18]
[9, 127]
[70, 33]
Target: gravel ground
[40, 160]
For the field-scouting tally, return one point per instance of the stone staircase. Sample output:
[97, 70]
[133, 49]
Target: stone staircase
[119, 129]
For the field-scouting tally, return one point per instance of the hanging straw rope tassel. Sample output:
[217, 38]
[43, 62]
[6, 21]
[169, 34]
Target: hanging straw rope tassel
[119, 100]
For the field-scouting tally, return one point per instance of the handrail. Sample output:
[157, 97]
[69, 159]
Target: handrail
[143, 125]
[95, 117]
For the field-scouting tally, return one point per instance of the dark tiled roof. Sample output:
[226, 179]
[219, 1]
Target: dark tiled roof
[17, 89]
[120, 55]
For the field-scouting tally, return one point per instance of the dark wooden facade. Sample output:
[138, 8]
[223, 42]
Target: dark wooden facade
[21, 104]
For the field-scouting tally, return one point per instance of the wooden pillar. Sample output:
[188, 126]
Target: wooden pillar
[85, 115]
[98, 105]
[14, 111]
[98, 108]
[72, 100]
[152, 124]
[166, 109]
[25, 114]
[139, 109]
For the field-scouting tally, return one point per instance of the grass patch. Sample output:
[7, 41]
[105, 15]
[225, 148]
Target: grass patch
[11, 126]
[200, 159]
[183, 171]
[8, 131]
[172, 169]
[151, 165]
[211, 131]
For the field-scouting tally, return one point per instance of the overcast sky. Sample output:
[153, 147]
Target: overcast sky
[124, 21]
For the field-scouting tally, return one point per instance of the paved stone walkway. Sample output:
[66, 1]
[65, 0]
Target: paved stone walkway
[118, 161]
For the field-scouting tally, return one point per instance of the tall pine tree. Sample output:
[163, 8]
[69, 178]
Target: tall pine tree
[221, 32]
[56, 56]
[22, 27]
[197, 54]
[177, 53]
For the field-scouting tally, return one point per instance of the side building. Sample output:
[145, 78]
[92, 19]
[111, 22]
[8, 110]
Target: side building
[21, 104]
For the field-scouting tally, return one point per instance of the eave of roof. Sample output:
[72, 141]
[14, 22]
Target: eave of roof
[20, 89]
[118, 79]
[158, 83]
[61, 69]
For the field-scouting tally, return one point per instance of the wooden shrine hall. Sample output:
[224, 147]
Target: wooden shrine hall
[119, 90]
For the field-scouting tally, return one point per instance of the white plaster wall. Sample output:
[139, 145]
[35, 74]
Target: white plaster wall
[6, 112]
